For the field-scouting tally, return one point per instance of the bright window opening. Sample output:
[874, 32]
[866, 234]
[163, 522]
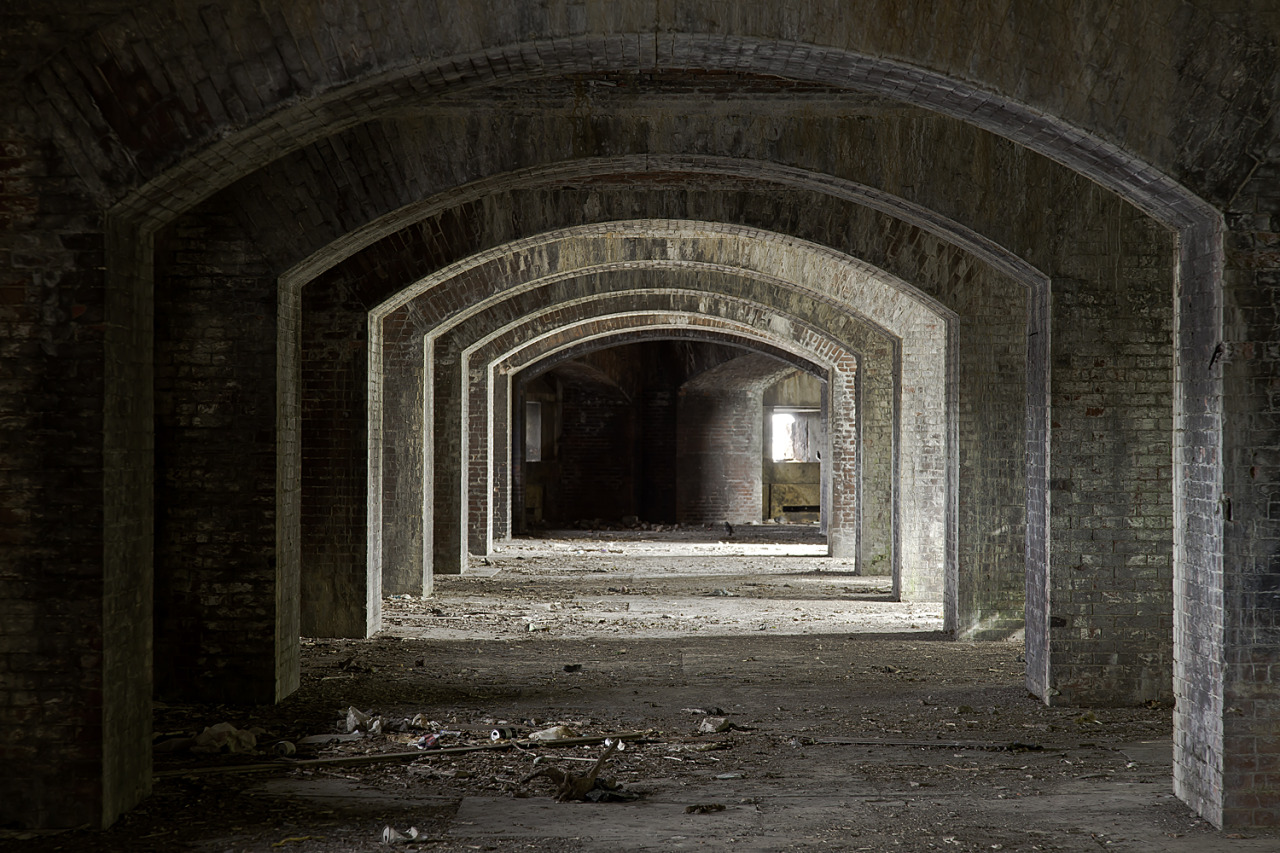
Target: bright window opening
[783, 441]
[797, 436]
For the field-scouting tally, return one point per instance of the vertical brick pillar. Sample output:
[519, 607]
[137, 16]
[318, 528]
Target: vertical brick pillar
[480, 442]
[843, 437]
[127, 522]
[1227, 744]
[75, 498]
[1036, 608]
[1108, 620]
[488, 416]
[824, 477]
[447, 552]
[990, 339]
[501, 455]
[515, 473]
[217, 609]
[404, 571]
[340, 596]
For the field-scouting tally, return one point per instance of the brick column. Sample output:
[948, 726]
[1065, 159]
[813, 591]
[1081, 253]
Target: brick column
[216, 527]
[844, 439]
[401, 466]
[1108, 614]
[340, 597]
[1227, 744]
[447, 548]
[75, 499]
[500, 453]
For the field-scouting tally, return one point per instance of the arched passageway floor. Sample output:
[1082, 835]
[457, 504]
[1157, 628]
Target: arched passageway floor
[766, 579]
[843, 738]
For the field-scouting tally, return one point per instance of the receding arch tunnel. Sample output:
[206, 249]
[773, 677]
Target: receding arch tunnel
[1087, 259]
[667, 431]
[692, 258]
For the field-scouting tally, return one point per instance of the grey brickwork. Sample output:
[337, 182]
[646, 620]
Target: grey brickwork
[437, 296]
[215, 540]
[527, 345]
[1087, 192]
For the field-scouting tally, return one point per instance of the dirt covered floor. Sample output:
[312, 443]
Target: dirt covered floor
[767, 699]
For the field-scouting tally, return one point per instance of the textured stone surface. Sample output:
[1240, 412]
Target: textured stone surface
[828, 277]
[1103, 176]
[528, 344]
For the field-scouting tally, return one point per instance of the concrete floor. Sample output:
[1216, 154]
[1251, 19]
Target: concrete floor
[856, 724]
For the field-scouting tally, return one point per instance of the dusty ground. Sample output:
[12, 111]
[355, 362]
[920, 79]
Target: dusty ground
[855, 724]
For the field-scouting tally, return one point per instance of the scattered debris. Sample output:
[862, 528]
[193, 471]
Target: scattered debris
[224, 737]
[350, 665]
[392, 836]
[324, 740]
[553, 733]
[704, 808]
[713, 746]
[174, 744]
[714, 725]
[589, 787]
[357, 720]
[506, 680]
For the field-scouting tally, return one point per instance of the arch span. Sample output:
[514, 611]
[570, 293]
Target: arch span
[1197, 433]
[489, 401]
[827, 277]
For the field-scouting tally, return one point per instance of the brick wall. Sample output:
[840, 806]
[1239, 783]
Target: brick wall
[658, 435]
[215, 491]
[1111, 577]
[153, 120]
[698, 341]
[597, 455]
[718, 457]
[55, 728]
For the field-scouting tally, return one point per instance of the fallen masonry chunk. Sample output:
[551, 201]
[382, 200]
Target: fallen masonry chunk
[357, 719]
[714, 725]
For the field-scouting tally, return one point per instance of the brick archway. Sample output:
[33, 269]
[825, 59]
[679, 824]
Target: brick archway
[831, 279]
[489, 400]
[259, 131]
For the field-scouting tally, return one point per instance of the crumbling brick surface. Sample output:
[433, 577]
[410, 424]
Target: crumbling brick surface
[1111, 178]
